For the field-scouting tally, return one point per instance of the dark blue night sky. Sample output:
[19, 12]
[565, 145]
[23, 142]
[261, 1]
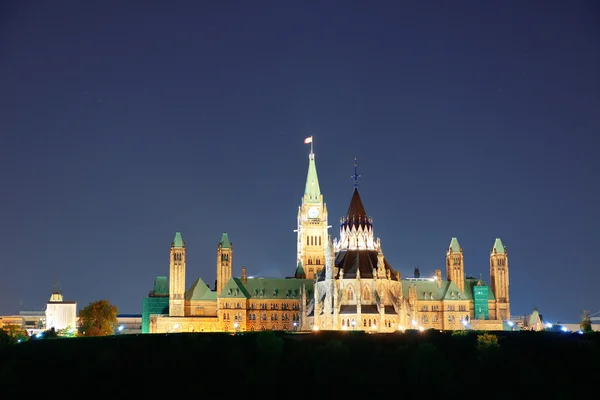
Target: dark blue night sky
[122, 122]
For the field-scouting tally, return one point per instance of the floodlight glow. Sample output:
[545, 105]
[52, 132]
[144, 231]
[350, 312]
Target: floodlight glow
[120, 328]
[510, 323]
[548, 325]
[564, 328]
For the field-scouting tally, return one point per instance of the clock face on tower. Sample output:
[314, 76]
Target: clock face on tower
[313, 212]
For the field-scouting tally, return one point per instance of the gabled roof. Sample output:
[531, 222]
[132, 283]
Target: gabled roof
[225, 243]
[234, 289]
[428, 289]
[266, 288]
[200, 291]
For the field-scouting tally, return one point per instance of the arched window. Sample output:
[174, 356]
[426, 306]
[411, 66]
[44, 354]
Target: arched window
[350, 293]
[366, 295]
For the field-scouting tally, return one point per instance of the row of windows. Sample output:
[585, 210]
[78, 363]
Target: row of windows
[213, 328]
[313, 261]
[274, 317]
[367, 323]
[263, 306]
[461, 307]
[313, 240]
[435, 318]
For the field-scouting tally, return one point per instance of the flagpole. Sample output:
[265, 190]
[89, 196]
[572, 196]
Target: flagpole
[311, 145]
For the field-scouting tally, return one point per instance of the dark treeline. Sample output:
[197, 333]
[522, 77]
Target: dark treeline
[422, 364]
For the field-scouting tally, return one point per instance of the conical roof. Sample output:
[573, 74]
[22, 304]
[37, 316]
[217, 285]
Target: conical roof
[356, 214]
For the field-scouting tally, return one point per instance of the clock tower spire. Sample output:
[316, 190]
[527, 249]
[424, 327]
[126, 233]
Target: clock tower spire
[312, 221]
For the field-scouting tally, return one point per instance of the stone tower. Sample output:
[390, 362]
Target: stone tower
[499, 279]
[224, 262]
[455, 264]
[177, 277]
[312, 223]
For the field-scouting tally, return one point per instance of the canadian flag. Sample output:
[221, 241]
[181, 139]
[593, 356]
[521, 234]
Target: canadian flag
[308, 140]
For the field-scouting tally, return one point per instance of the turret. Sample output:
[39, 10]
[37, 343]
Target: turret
[455, 267]
[177, 276]
[224, 262]
[499, 278]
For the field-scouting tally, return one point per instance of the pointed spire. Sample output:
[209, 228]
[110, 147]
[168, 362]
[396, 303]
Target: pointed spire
[225, 243]
[178, 241]
[498, 247]
[356, 175]
[312, 191]
[454, 246]
[356, 210]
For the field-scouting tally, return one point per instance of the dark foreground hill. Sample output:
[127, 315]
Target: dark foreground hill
[420, 364]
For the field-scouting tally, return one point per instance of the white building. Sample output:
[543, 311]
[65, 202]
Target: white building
[60, 314]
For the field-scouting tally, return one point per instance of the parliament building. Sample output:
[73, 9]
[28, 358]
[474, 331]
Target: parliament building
[340, 284]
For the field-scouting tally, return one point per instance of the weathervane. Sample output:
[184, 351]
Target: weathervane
[356, 175]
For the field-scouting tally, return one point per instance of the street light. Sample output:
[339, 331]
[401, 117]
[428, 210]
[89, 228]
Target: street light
[353, 324]
[295, 325]
[236, 326]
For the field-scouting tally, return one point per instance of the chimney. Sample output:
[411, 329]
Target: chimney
[244, 275]
[438, 277]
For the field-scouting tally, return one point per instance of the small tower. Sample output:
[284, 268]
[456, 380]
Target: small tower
[455, 264]
[499, 279]
[224, 260]
[177, 277]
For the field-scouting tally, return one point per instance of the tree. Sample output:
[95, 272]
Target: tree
[99, 318]
[586, 322]
[16, 333]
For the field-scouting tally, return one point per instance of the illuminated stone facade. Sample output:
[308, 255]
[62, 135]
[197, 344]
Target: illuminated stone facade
[344, 284]
[60, 314]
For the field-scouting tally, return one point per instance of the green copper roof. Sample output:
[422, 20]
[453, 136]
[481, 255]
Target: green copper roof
[161, 285]
[266, 288]
[428, 290]
[454, 246]
[178, 241]
[470, 283]
[200, 291]
[312, 192]
[498, 246]
[225, 243]
[300, 274]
